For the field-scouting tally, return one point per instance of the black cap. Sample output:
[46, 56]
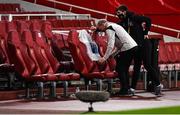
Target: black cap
[122, 7]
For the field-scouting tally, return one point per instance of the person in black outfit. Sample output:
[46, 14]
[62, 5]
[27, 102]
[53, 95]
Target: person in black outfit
[138, 26]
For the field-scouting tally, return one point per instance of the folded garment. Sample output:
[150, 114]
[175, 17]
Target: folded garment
[92, 48]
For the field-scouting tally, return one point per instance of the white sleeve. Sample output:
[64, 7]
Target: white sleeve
[110, 44]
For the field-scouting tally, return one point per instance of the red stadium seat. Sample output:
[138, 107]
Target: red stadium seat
[35, 25]
[46, 52]
[163, 59]
[46, 29]
[176, 49]
[56, 23]
[70, 23]
[171, 53]
[102, 44]
[75, 23]
[3, 40]
[87, 23]
[21, 26]
[67, 23]
[84, 64]
[35, 53]
[58, 44]
[3, 33]
[11, 26]
[20, 58]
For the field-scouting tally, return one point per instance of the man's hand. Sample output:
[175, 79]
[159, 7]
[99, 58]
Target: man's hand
[146, 37]
[93, 28]
[101, 60]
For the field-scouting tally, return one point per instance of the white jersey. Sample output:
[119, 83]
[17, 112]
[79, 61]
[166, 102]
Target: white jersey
[118, 38]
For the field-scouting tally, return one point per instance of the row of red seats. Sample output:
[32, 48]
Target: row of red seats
[27, 12]
[26, 17]
[58, 24]
[70, 24]
[27, 48]
[10, 7]
[169, 53]
[30, 54]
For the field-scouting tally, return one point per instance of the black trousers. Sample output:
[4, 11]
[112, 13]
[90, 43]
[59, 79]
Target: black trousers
[145, 54]
[123, 61]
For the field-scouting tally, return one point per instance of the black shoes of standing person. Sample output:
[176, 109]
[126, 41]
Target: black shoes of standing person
[158, 90]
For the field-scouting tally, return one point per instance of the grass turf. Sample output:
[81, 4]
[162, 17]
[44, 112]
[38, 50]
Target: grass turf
[162, 110]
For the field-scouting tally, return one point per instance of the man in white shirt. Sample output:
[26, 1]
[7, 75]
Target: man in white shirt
[122, 47]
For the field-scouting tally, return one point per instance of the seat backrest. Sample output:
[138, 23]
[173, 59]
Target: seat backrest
[87, 23]
[80, 65]
[46, 29]
[3, 33]
[102, 44]
[4, 50]
[21, 26]
[75, 23]
[57, 44]
[35, 53]
[16, 41]
[78, 49]
[176, 49]
[3, 40]
[67, 23]
[18, 55]
[59, 41]
[163, 59]
[46, 50]
[171, 53]
[2, 56]
[11, 26]
[56, 23]
[35, 25]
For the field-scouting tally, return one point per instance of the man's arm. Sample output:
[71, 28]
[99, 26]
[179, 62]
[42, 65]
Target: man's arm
[141, 19]
[110, 44]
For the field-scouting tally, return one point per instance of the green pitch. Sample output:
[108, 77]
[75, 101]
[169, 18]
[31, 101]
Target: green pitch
[163, 110]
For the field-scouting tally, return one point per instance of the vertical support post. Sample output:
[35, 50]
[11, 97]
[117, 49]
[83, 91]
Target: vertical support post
[110, 82]
[10, 80]
[65, 84]
[99, 84]
[40, 90]
[169, 78]
[27, 91]
[10, 18]
[52, 89]
[145, 78]
[176, 78]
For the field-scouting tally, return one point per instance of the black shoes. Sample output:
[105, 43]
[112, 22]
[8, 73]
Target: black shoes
[131, 92]
[123, 92]
[158, 90]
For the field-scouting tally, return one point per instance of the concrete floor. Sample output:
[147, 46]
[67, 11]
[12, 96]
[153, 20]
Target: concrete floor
[142, 100]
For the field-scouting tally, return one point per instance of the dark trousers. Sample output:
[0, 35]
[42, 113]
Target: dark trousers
[145, 54]
[123, 61]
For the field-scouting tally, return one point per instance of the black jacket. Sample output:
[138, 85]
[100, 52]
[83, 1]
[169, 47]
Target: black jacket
[133, 25]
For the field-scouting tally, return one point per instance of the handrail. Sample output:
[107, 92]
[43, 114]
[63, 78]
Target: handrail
[166, 28]
[76, 16]
[111, 15]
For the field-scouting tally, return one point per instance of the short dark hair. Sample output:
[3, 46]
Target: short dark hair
[101, 22]
[122, 7]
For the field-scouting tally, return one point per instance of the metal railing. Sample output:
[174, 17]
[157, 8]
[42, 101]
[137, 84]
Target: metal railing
[167, 28]
[111, 15]
[44, 16]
